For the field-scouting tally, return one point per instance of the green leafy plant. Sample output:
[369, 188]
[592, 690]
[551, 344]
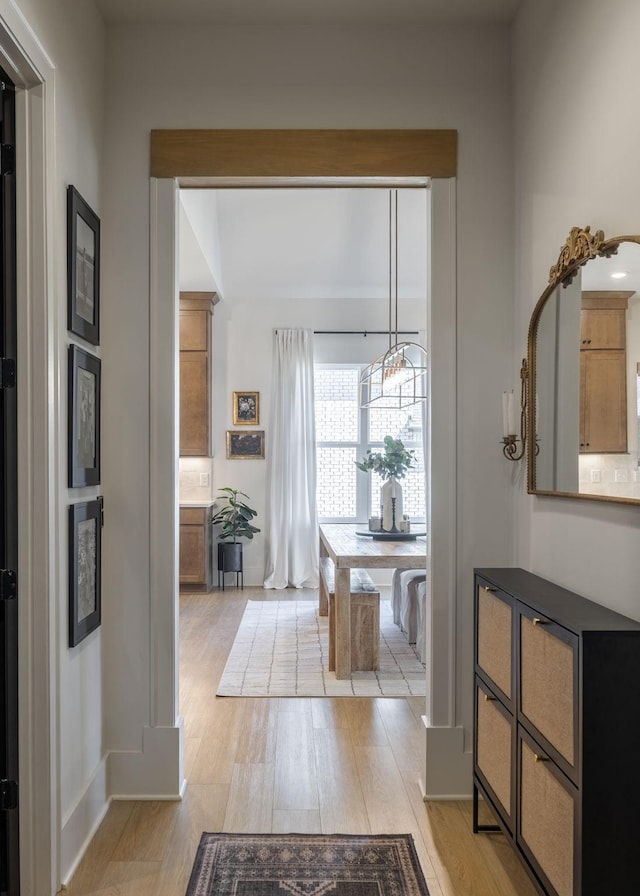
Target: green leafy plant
[234, 516]
[394, 461]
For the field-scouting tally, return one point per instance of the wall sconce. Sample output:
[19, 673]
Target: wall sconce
[510, 437]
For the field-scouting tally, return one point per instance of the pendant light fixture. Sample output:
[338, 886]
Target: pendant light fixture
[397, 378]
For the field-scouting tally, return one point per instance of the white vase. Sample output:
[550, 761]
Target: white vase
[391, 489]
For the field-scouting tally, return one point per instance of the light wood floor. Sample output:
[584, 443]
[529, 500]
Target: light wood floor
[332, 765]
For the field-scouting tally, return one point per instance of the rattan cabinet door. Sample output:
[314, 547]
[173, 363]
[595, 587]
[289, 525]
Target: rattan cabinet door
[494, 742]
[548, 696]
[494, 638]
[547, 822]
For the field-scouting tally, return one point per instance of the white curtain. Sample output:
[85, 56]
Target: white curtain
[292, 520]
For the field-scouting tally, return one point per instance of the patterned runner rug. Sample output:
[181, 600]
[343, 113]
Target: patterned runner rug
[281, 650]
[306, 865]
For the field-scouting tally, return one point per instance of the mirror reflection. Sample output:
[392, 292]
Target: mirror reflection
[585, 360]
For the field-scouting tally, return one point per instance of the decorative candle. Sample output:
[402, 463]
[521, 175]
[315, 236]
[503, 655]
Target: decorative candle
[505, 414]
[512, 414]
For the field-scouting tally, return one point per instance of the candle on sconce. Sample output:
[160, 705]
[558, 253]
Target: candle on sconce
[508, 414]
[512, 414]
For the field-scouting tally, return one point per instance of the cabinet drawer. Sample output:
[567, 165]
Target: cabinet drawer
[494, 612]
[547, 818]
[494, 749]
[548, 682]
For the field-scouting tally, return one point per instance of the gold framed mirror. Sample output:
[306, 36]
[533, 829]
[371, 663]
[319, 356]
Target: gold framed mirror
[583, 415]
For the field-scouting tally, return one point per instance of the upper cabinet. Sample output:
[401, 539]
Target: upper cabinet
[603, 372]
[196, 316]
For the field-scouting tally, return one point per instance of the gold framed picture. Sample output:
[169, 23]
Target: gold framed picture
[246, 408]
[245, 445]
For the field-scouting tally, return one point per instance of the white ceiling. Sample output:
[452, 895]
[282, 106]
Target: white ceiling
[273, 244]
[308, 12]
[597, 273]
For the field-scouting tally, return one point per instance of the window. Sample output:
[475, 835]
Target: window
[344, 431]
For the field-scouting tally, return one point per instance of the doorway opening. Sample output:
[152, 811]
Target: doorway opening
[312, 258]
[245, 158]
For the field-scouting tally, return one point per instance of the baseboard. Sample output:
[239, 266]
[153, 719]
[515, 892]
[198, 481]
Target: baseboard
[448, 767]
[81, 822]
[154, 773]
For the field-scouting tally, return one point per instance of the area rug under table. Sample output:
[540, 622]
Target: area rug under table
[281, 649]
[306, 865]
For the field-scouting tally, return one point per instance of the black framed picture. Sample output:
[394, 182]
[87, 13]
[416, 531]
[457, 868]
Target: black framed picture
[85, 564]
[83, 418]
[246, 408]
[245, 445]
[83, 268]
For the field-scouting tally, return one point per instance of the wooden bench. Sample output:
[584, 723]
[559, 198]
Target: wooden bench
[365, 616]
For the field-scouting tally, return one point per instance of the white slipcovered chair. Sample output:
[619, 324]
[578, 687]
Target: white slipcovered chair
[408, 590]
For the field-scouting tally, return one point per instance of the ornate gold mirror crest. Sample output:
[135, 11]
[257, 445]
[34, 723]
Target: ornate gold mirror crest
[583, 411]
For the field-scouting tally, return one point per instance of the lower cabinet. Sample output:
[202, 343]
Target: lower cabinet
[195, 547]
[556, 732]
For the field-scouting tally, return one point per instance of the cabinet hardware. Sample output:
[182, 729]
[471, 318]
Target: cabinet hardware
[540, 758]
[537, 621]
[488, 697]
[490, 590]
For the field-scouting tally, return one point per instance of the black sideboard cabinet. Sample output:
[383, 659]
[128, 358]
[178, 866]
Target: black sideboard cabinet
[557, 732]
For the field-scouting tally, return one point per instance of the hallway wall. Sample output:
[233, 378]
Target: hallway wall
[576, 147]
[301, 77]
[70, 35]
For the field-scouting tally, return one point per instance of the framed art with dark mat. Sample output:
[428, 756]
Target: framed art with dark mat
[83, 418]
[83, 268]
[85, 563]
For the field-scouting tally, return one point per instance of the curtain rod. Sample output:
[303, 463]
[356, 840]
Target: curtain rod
[366, 332]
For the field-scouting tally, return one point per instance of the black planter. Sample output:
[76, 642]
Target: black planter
[230, 560]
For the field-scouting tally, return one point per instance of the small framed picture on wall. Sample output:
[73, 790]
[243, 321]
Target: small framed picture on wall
[83, 418]
[83, 268]
[245, 445]
[246, 408]
[85, 563]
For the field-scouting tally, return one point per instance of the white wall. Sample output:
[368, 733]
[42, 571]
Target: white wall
[72, 35]
[301, 77]
[576, 147]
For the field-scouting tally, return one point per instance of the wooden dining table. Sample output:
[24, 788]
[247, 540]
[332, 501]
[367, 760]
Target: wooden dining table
[348, 550]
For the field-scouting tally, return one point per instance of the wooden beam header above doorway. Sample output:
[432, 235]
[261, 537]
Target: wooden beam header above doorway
[304, 153]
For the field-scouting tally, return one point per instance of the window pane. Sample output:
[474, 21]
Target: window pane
[405, 424]
[336, 399]
[336, 490]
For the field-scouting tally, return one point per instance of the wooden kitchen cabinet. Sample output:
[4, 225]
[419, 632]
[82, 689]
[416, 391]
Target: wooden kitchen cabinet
[556, 728]
[196, 313]
[603, 372]
[195, 547]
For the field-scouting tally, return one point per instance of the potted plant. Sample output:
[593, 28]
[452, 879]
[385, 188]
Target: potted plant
[234, 517]
[390, 464]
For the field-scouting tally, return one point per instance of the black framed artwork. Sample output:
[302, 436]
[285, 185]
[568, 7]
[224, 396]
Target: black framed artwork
[85, 566]
[83, 268]
[83, 418]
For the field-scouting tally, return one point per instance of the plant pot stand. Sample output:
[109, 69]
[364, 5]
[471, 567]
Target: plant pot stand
[230, 560]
